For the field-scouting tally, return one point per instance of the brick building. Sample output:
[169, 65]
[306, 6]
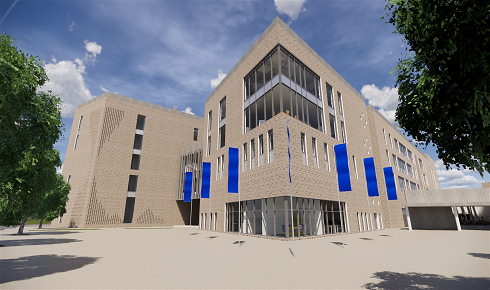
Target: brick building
[127, 169]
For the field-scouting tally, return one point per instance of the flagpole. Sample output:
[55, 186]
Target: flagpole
[239, 207]
[190, 216]
[371, 221]
[341, 215]
[209, 212]
[389, 212]
[291, 192]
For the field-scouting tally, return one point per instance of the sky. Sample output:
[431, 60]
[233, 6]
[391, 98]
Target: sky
[174, 53]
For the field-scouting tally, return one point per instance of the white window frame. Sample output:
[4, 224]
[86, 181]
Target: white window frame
[327, 157]
[384, 134]
[355, 166]
[315, 152]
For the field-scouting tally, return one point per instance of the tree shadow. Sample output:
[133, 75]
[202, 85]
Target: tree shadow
[37, 242]
[239, 242]
[367, 239]
[339, 243]
[41, 265]
[480, 255]
[52, 233]
[411, 280]
[384, 235]
[212, 237]
[194, 234]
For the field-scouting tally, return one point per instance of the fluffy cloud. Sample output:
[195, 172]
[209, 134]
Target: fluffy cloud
[390, 53]
[215, 82]
[73, 24]
[386, 99]
[290, 8]
[59, 169]
[66, 81]
[103, 89]
[94, 49]
[188, 110]
[455, 178]
[439, 164]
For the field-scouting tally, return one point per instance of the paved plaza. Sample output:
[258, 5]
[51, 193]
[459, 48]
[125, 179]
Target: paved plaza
[189, 258]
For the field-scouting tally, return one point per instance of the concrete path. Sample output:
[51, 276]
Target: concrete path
[183, 258]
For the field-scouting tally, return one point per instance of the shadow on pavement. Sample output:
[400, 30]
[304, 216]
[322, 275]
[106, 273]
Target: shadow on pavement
[339, 243]
[36, 266]
[480, 255]
[367, 239]
[194, 234]
[393, 280]
[212, 237]
[37, 242]
[239, 242]
[384, 235]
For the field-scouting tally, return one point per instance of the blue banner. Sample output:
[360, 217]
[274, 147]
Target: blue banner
[206, 179]
[289, 153]
[233, 167]
[371, 181]
[390, 183]
[342, 167]
[188, 187]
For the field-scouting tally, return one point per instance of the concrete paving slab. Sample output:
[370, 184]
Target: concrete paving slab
[183, 258]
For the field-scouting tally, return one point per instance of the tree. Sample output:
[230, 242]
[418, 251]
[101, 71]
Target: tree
[52, 203]
[443, 86]
[30, 124]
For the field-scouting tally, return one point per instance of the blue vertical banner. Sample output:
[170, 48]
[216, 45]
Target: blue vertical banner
[289, 153]
[371, 181]
[188, 187]
[233, 167]
[206, 179]
[342, 167]
[390, 183]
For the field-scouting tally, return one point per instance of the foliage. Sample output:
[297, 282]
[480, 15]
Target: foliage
[30, 124]
[443, 86]
[52, 202]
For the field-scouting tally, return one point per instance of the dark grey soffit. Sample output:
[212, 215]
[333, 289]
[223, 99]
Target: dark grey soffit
[370, 107]
[141, 103]
[277, 21]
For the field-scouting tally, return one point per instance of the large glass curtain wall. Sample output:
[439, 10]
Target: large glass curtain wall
[272, 217]
[295, 91]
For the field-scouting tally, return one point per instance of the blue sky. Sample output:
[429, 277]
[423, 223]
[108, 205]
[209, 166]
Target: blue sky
[173, 53]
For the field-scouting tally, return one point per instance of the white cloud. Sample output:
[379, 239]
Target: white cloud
[402, 45]
[215, 82]
[390, 53]
[70, 28]
[439, 164]
[454, 177]
[66, 81]
[94, 49]
[103, 89]
[188, 110]
[386, 99]
[290, 8]
[59, 169]
[458, 186]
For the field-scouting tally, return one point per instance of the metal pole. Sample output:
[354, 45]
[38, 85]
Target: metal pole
[390, 216]
[190, 217]
[239, 207]
[292, 220]
[341, 214]
[371, 221]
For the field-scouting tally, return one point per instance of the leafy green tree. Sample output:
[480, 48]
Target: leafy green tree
[52, 203]
[30, 124]
[443, 86]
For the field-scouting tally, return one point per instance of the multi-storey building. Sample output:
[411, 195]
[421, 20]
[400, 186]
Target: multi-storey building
[279, 82]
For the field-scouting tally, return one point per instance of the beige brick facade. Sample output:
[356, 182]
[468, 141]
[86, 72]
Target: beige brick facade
[100, 166]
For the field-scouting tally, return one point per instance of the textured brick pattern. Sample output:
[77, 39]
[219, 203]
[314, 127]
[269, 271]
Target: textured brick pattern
[100, 166]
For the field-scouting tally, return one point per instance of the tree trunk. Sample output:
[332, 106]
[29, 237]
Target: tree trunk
[41, 224]
[21, 227]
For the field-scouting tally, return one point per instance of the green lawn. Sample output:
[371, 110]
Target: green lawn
[36, 222]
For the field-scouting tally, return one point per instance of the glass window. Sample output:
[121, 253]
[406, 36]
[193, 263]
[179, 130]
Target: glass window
[320, 119]
[388, 158]
[342, 127]
[310, 82]
[312, 115]
[303, 142]
[222, 136]
[247, 119]
[332, 125]
[329, 96]
[277, 100]
[340, 103]
[396, 146]
[210, 120]
[305, 110]
[260, 110]
[253, 116]
[355, 165]
[78, 132]
[410, 155]
[299, 99]
[196, 134]
[252, 148]
[297, 73]
[294, 108]
[267, 70]
[271, 143]
[302, 76]
[317, 88]
[275, 64]
[209, 145]
[286, 100]
[261, 144]
[260, 77]
[325, 151]
[394, 162]
[252, 84]
[284, 64]
[222, 106]
[247, 81]
[268, 105]
[245, 153]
